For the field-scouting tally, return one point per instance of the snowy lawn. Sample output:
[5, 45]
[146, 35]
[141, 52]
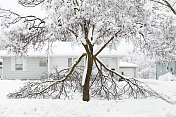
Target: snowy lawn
[149, 107]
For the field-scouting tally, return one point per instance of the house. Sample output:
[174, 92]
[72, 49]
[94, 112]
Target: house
[0, 68]
[163, 68]
[62, 55]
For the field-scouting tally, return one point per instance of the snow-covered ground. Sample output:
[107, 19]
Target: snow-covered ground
[167, 77]
[150, 107]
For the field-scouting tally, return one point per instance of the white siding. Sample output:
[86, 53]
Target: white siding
[129, 72]
[33, 70]
[24, 63]
[62, 63]
[12, 63]
[114, 63]
[59, 62]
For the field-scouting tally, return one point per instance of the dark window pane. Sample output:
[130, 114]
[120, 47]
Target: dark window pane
[69, 62]
[43, 62]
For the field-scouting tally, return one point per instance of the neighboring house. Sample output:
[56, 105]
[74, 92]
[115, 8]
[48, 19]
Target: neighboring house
[0, 68]
[128, 69]
[62, 55]
[163, 68]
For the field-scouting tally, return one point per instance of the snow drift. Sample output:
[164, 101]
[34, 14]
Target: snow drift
[167, 77]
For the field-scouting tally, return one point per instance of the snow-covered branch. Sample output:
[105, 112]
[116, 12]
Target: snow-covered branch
[166, 4]
[30, 3]
[118, 74]
[107, 43]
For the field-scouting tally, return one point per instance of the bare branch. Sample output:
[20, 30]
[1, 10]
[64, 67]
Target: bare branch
[50, 86]
[159, 2]
[34, 21]
[170, 6]
[107, 43]
[92, 32]
[74, 66]
[162, 97]
[70, 72]
[167, 4]
[7, 14]
[121, 76]
[73, 32]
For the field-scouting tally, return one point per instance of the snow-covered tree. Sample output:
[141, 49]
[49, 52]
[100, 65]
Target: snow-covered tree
[168, 4]
[89, 23]
[146, 64]
[158, 40]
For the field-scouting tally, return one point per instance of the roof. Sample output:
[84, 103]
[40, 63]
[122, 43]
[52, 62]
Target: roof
[68, 49]
[126, 64]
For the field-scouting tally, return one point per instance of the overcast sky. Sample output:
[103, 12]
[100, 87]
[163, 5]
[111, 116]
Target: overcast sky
[15, 7]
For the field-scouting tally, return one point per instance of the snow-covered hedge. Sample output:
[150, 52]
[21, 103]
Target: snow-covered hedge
[167, 77]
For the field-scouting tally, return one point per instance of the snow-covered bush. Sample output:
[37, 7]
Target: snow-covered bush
[146, 65]
[167, 77]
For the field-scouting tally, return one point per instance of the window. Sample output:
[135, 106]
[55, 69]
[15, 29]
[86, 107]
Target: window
[72, 60]
[171, 69]
[69, 62]
[106, 61]
[167, 68]
[122, 73]
[19, 63]
[42, 62]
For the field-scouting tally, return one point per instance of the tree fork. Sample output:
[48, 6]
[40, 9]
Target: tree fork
[89, 50]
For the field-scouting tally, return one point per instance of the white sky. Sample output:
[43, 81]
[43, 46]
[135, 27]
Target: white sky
[17, 8]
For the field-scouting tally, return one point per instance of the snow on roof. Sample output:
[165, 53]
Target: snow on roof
[0, 60]
[126, 64]
[69, 49]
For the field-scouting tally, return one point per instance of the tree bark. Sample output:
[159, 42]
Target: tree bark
[86, 86]
[89, 50]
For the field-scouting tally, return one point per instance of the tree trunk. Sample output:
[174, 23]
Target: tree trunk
[87, 80]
